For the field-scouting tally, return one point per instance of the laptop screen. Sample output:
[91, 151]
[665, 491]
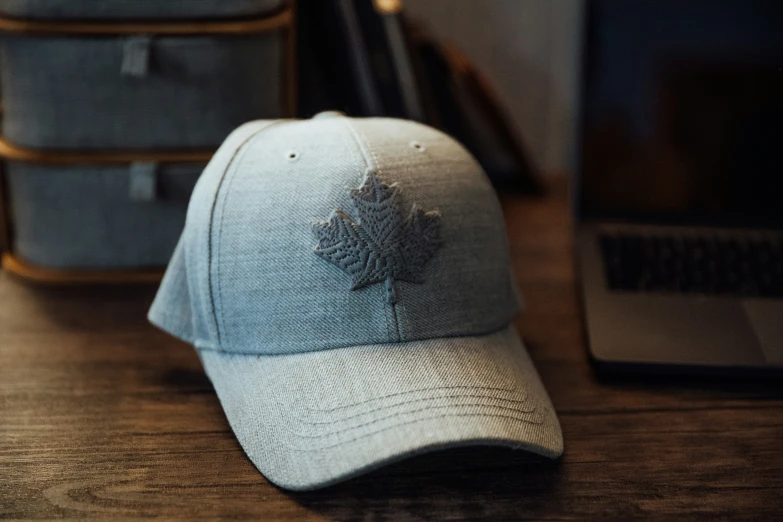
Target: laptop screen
[682, 112]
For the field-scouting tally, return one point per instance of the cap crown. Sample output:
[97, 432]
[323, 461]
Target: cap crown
[263, 275]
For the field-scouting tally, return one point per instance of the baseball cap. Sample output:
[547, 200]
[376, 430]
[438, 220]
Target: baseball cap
[348, 288]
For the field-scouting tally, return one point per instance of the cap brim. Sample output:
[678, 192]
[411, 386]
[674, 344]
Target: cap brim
[309, 420]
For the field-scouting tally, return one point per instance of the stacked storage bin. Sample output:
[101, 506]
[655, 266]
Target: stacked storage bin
[111, 109]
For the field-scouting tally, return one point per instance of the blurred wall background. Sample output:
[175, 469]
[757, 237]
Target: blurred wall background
[529, 49]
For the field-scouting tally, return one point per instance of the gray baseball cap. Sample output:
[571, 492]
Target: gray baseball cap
[348, 288]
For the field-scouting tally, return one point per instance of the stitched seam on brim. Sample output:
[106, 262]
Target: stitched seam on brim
[405, 403]
[413, 412]
[417, 390]
[413, 421]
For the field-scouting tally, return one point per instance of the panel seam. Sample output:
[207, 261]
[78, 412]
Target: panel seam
[367, 166]
[372, 163]
[239, 152]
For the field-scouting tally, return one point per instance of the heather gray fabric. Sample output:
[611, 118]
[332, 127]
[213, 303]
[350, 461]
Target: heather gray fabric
[136, 9]
[309, 420]
[255, 214]
[320, 381]
[94, 217]
[172, 307]
[137, 92]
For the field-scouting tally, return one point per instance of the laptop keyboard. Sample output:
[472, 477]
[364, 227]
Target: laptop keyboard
[694, 265]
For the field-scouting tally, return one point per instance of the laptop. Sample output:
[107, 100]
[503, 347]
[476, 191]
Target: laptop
[679, 190]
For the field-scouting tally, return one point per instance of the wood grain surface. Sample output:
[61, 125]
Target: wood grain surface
[102, 416]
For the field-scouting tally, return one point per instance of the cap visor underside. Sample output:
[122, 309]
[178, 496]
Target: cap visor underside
[312, 419]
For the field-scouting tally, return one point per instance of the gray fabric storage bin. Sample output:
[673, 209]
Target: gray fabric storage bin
[135, 9]
[93, 217]
[136, 92]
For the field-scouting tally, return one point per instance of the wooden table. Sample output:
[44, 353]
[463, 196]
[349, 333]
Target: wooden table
[103, 416]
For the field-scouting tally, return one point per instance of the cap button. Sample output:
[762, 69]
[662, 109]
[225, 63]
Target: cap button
[329, 114]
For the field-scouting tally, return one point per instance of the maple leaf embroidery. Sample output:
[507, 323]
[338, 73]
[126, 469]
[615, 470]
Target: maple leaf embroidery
[381, 245]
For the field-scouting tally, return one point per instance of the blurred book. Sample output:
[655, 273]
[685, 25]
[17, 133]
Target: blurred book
[365, 58]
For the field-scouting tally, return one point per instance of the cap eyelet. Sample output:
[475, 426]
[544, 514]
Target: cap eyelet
[415, 145]
[292, 155]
